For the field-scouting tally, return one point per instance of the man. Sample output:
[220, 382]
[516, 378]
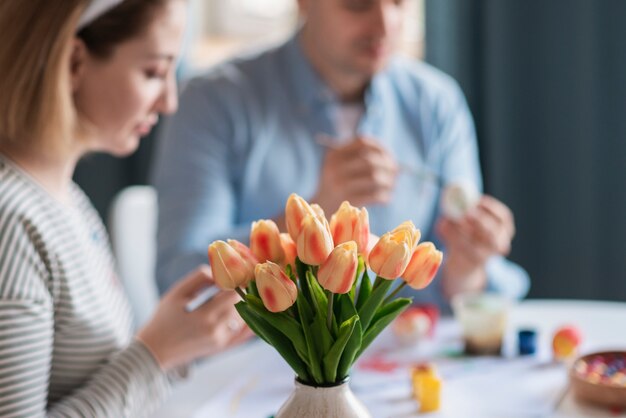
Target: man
[334, 114]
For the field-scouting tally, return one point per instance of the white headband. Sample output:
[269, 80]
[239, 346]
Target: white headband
[96, 9]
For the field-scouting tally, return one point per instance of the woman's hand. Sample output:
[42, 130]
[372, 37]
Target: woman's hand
[176, 337]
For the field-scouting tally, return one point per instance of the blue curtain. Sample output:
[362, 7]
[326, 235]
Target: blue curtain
[546, 81]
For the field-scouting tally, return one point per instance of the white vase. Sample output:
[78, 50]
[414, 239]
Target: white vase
[322, 402]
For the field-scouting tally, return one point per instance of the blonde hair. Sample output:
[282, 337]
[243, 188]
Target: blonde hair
[36, 101]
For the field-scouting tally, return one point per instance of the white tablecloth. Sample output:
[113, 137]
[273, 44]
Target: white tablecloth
[253, 381]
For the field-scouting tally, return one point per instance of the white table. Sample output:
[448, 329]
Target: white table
[601, 323]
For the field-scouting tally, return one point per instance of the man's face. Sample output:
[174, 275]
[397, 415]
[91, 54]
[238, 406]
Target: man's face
[355, 37]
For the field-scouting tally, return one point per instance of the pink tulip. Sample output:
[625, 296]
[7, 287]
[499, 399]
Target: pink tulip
[289, 247]
[391, 254]
[295, 211]
[230, 270]
[423, 266]
[351, 224]
[277, 291]
[338, 272]
[265, 241]
[315, 241]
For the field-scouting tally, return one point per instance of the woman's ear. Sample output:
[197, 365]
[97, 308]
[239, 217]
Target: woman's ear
[78, 61]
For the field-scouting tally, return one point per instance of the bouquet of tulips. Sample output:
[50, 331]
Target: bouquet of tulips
[308, 293]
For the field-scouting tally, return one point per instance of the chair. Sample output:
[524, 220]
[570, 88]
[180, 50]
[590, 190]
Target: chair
[132, 225]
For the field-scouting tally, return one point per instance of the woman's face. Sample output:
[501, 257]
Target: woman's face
[122, 96]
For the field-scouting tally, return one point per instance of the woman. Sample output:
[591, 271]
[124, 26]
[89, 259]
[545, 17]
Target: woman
[80, 76]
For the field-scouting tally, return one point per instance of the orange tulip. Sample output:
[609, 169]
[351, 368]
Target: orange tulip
[315, 241]
[318, 211]
[338, 272]
[265, 241]
[412, 234]
[391, 254]
[423, 266]
[289, 247]
[244, 252]
[230, 270]
[351, 224]
[277, 291]
[295, 211]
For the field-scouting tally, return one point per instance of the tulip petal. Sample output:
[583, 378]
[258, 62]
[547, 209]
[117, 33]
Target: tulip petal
[338, 272]
[265, 241]
[277, 291]
[230, 270]
[423, 266]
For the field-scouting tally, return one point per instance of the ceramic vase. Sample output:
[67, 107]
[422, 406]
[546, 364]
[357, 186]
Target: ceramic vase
[337, 401]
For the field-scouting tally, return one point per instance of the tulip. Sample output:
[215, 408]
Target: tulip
[423, 266]
[230, 270]
[351, 224]
[318, 211]
[391, 255]
[265, 241]
[295, 211]
[244, 252]
[289, 247]
[338, 272]
[277, 291]
[371, 243]
[315, 241]
[412, 234]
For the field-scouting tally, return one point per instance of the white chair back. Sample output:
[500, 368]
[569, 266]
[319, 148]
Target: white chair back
[132, 225]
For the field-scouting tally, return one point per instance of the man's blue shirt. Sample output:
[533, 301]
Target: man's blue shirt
[245, 138]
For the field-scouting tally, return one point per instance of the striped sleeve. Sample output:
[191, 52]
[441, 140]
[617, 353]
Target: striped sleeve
[129, 384]
[25, 353]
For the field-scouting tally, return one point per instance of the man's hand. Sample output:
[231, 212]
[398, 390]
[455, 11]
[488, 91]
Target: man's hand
[362, 172]
[486, 230]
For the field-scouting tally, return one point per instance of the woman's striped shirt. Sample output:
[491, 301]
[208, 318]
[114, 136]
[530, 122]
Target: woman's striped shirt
[66, 346]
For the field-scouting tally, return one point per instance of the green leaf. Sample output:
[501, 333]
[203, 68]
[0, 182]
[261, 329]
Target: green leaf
[289, 273]
[306, 319]
[301, 270]
[323, 340]
[331, 359]
[359, 271]
[275, 338]
[383, 317]
[305, 312]
[293, 310]
[344, 308]
[252, 324]
[284, 323]
[371, 304]
[320, 302]
[252, 288]
[365, 290]
[353, 345]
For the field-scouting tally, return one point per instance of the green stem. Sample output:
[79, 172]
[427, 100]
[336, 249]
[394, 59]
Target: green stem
[329, 318]
[241, 293]
[395, 292]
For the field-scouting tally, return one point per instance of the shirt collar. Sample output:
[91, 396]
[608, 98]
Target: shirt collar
[311, 90]
[306, 83]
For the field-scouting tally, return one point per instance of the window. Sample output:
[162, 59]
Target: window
[222, 28]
